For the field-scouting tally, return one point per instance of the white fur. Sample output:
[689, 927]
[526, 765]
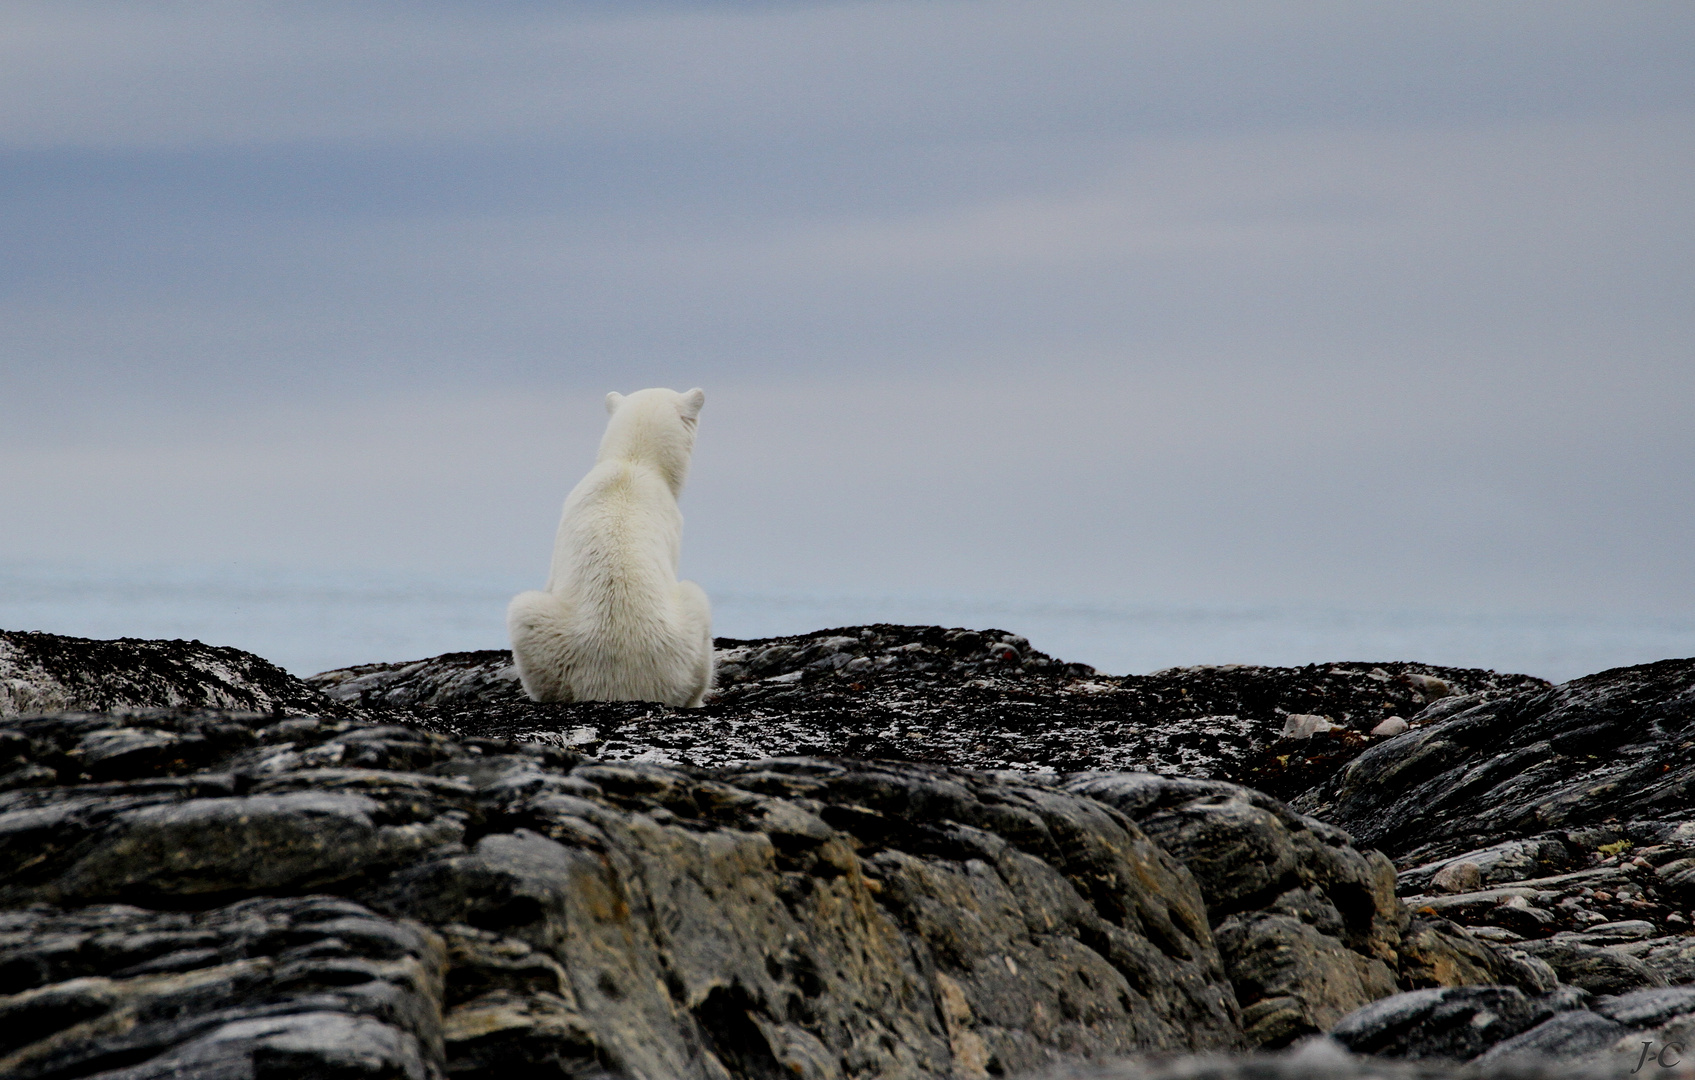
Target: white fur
[614, 623]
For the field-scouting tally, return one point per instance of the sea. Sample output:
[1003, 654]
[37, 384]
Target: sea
[308, 621]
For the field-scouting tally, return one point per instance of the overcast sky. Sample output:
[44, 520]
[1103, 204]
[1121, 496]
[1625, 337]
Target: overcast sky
[1371, 304]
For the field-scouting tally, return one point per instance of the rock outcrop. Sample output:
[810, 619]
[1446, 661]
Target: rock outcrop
[1558, 824]
[1561, 822]
[1611, 747]
[310, 895]
[48, 672]
[409, 870]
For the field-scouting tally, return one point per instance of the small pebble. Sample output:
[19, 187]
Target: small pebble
[1391, 725]
[1305, 725]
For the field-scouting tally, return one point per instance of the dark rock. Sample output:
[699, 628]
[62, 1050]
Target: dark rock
[1435, 952]
[50, 673]
[967, 698]
[1599, 971]
[703, 913]
[301, 986]
[1452, 1022]
[1564, 1035]
[1512, 861]
[1646, 1008]
[498, 907]
[1611, 747]
[1309, 928]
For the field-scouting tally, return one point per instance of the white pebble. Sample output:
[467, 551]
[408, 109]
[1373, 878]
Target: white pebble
[1305, 725]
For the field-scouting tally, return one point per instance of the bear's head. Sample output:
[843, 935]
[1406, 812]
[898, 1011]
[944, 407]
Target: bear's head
[654, 428]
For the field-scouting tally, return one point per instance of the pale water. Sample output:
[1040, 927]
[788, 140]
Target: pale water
[309, 621]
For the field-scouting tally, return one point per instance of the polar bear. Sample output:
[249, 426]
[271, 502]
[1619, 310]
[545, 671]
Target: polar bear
[614, 623]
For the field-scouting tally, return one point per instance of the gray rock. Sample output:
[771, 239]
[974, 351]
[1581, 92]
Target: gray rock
[1608, 746]
[1499, 864]
[301, 1045]
[228, 991]
[1565, 1035]
[1646, 1008]
[1451, 1022]
[508, 909]
[1309, 927]
[1599, 971]
[1614, 933]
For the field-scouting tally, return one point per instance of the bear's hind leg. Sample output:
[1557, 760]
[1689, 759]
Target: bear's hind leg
[696, 611]
[535, 621]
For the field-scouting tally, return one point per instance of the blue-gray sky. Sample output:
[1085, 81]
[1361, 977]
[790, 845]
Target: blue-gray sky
[1375, 304]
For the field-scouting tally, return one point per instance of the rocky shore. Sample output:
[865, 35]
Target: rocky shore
[877, 852]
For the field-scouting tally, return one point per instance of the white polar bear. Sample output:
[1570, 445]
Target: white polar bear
[614, 623]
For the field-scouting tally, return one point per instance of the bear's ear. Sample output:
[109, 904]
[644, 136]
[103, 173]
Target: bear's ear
[692, 401]
[613, 400]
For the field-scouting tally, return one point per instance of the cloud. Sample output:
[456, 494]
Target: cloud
[195, 74]
[1560, 237]
[1340, 302]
